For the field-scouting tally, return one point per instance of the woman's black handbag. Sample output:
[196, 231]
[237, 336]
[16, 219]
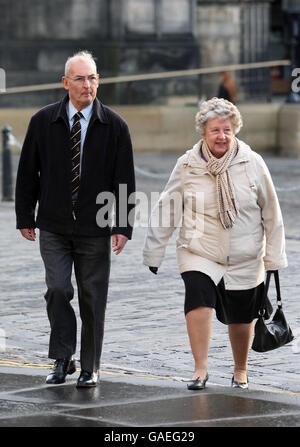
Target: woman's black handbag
[268, 336]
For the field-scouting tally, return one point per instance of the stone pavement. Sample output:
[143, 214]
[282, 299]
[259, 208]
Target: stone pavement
[145, 326]
[138, 409]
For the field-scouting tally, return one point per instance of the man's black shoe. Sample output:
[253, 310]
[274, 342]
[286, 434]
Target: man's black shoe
[87, 379]
[61, 368]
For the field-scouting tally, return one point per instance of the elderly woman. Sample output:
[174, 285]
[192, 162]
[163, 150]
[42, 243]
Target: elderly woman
[231, 231]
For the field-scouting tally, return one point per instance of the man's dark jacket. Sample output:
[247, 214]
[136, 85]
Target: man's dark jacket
[44, 173]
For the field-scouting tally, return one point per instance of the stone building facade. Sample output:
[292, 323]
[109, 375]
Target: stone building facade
[126, 36]
[129, 37]
[234, 32]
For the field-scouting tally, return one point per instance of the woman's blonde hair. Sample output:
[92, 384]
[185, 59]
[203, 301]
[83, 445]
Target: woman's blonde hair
[218, 108]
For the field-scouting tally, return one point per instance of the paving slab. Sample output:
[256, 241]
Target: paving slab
[137, 402]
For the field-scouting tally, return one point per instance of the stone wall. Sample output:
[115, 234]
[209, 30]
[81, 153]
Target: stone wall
[126, 37]
[272, 128]
[234, 32]
[218, 33]
[55, 19]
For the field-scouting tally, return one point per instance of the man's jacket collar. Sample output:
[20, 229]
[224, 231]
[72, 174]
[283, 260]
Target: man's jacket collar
[98, 111]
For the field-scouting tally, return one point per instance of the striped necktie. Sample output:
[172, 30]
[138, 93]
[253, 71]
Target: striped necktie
[75, 155]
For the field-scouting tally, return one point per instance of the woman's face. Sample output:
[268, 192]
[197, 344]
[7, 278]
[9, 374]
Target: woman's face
[218, 136]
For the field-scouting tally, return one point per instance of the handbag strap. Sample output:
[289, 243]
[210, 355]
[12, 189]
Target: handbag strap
[278, 294]
[266, 289]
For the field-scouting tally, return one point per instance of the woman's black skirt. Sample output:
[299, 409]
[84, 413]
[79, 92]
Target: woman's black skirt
[232, 306]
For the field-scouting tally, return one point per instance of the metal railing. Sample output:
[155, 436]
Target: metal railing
[152, 76]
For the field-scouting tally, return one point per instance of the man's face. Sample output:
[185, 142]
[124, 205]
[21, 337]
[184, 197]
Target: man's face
[82, 82]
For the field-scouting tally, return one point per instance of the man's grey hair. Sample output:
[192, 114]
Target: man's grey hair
[218, 107]
[80, 55]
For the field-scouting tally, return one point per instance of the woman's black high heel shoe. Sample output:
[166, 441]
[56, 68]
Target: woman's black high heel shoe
[241, 385]
[197, 384]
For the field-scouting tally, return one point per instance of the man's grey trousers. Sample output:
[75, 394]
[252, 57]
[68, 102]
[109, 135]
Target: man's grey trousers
[91, 259]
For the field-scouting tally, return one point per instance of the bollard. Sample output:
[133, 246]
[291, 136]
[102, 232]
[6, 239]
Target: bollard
[7, 189]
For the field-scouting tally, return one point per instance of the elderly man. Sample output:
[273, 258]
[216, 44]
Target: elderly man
[73, 151]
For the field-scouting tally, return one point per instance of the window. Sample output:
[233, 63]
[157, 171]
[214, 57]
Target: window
[175, 16]
[159, 17]
[141, 16]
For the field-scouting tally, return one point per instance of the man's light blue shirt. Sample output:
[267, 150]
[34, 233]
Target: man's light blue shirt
[84, 122]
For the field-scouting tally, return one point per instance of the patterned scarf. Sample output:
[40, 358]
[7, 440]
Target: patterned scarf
[225, 190]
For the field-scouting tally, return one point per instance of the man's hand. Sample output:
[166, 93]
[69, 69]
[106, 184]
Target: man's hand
[28, 233]
[118, 242]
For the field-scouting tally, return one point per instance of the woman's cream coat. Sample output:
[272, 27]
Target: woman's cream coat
[241, 254]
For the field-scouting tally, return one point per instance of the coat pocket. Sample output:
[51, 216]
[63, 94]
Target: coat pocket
[243, 248]
[208, 247]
